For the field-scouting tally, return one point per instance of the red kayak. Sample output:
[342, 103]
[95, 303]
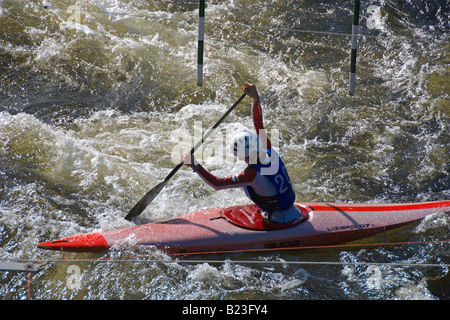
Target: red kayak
[241, 228]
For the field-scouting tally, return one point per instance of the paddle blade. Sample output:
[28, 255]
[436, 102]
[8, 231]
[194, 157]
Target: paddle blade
[145, 201]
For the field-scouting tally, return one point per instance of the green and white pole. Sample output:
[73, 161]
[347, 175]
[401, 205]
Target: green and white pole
[201, 37]
[356, 5]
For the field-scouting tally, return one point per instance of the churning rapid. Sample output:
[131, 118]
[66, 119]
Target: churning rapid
[99, 98]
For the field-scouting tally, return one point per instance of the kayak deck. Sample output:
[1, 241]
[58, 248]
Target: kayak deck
[214, 230]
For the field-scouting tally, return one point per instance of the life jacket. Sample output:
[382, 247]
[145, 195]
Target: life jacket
[275, 171]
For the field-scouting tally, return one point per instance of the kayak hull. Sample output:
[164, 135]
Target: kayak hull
[241, 228]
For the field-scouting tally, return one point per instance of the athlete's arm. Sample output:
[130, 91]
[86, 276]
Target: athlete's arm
[257, 116]
[243, 179]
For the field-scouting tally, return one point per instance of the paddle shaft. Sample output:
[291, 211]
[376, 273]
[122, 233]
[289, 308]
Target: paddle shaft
[148, 198]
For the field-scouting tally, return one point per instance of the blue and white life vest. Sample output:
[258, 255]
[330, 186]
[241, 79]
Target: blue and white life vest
[275, 171]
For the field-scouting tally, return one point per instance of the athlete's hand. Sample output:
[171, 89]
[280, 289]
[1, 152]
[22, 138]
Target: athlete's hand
[250, 90]
[187, 159]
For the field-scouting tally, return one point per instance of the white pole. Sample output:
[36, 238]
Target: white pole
[356, 6]
[201, 37]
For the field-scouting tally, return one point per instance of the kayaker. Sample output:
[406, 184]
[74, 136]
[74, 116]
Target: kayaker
[265, 180]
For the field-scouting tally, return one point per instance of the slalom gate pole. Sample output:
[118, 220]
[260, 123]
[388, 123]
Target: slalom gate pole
[201, 36]
[356, 5]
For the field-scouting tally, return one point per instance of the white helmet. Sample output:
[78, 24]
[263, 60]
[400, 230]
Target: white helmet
[245, 143]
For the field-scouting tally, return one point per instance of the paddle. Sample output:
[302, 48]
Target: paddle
[148, 198]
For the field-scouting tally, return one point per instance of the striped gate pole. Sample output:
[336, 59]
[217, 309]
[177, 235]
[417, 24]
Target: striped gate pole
[201, 36]
[356, 5]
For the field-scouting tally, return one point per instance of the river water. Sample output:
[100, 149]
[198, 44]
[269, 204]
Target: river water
[99, 98]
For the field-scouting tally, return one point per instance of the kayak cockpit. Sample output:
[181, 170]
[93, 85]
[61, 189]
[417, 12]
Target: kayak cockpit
[249, 217]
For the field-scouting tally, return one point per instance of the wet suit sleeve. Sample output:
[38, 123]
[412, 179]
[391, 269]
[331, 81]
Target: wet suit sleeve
[259, 125]
[243, 179]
